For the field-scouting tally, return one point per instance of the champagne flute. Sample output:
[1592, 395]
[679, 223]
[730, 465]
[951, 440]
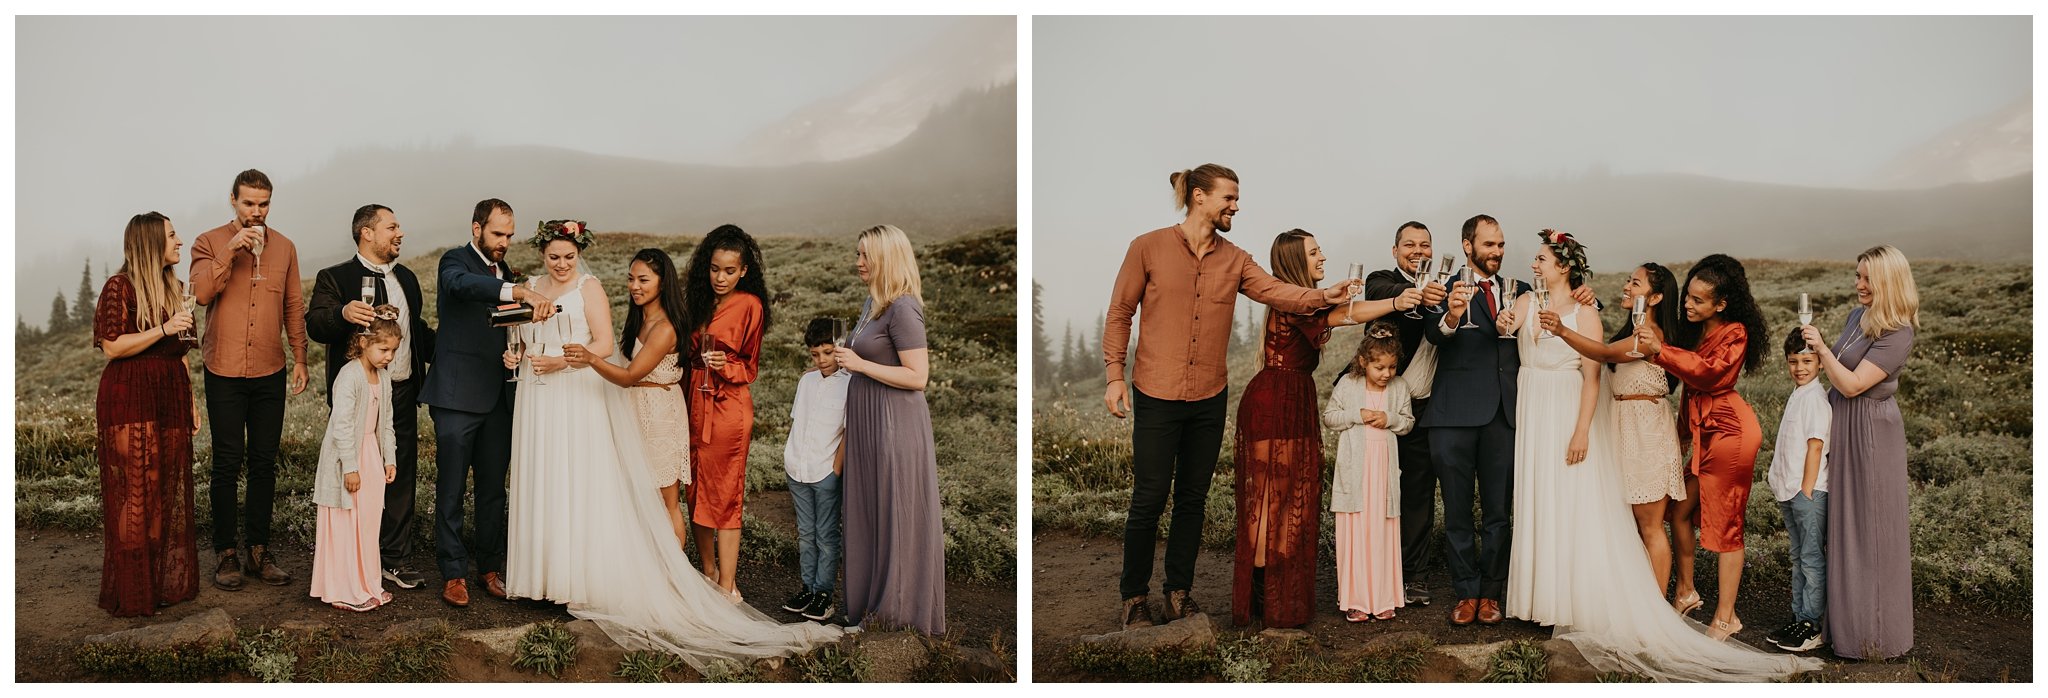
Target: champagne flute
[1443, 273]
[518, 350]
[1471, 279]
[1805, 311]
[1421, 280]
[703, 348]
[1542, 291]
[1357, 274]
[191, 303]
[369, 297]
[1507, 302]
[839, 332]
[538, 377]
[256, 250]
[1635, 318]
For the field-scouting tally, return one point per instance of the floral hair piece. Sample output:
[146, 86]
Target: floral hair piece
[576, 232]
[1570, 252]
[1379, 331]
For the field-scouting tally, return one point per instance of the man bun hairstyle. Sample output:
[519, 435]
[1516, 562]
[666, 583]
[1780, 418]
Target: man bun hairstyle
[1185, 182]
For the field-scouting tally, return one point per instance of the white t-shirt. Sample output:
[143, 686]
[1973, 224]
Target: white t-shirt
[817, 423]
[1807, 416]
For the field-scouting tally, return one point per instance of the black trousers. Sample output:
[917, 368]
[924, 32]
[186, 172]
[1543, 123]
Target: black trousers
[395, 538]
[1174, 445]
[246, 416]
[465, 442]
[1418, 499]
[1478, 555]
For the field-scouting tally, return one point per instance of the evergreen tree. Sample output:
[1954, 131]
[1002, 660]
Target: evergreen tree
[60, 315]
[82, 309]
[1041, 354]
[22, 332]
[1069, 353]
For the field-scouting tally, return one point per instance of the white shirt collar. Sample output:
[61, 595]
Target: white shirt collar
[480, 255]
[372, 266]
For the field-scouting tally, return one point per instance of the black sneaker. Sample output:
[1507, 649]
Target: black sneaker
[1805, 639]
[821, 607]
[797, 604]
[1414, 594]
[404, 577]
[1778, 636]
[1137, 613]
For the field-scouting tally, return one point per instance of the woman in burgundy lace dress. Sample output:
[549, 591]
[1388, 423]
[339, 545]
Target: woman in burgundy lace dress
[1279, 457]
[146, 417]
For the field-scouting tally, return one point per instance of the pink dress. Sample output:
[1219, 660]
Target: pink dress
[1369, 540]
[345, 555]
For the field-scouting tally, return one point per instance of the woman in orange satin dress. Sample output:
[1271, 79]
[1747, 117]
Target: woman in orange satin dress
[725, 283]
[1720, 318]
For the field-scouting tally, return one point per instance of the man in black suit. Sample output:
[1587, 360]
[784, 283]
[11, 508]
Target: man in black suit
[1471, 423]
[1418, 474]
[470, 400]
[336, 315]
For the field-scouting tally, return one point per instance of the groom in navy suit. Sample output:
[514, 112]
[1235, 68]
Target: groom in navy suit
[1471, 423]
[470, 400]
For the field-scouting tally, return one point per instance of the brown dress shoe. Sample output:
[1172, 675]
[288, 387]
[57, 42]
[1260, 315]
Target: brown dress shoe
[228, 575]
[494, 584]
[456, 592]
[266, 567]
[1489, 612]
[1462, 613]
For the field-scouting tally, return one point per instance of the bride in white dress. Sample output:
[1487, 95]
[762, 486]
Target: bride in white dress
[587, 526]
[1576, 562]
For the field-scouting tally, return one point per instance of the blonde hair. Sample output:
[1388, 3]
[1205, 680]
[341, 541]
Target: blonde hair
[892, 267]
[1894, 301]
[158, 292]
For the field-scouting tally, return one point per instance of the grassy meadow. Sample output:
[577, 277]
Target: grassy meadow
[1966, 395]
[970, 292]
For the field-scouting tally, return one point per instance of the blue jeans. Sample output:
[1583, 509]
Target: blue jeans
[817, 531]
[1806, 521]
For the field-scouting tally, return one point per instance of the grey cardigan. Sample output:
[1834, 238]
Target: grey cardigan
[1346, 494]
[343, 443]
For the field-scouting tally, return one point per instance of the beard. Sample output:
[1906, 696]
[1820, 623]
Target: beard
[1222, 224]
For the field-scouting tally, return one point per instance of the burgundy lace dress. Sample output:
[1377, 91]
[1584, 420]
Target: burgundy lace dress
[1279, 468]
[145, 452]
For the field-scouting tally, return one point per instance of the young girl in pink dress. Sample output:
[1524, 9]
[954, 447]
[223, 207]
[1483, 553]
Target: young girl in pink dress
[1369, 407]
[359, 440]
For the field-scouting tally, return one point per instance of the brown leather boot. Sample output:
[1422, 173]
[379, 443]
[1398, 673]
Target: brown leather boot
[228, 575]
[266, 567]
[1179, 605]
[1137, 613]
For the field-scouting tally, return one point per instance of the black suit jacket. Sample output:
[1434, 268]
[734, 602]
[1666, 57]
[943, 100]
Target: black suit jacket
[1475, 369]
[469, 373]
[1388, 283]
[325, 325]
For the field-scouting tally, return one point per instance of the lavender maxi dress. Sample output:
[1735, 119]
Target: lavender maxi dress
[1870, 561]
[895, 551]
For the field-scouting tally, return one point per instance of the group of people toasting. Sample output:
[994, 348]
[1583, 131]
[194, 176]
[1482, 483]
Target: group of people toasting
[1511, 393]
[579, 475]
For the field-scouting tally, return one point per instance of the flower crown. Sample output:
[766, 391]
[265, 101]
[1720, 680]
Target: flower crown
[1570, 252]
[1378, 331]
[576, 232]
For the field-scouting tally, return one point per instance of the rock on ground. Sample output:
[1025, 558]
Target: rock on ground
[1192, 631]
[212, 626]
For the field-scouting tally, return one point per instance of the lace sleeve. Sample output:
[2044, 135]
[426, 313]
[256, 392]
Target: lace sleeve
[115, 315]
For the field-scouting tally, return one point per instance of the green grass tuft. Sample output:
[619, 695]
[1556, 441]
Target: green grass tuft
[1521, 661]
[546, 649]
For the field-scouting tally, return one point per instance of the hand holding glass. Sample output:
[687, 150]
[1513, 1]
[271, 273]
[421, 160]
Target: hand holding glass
[1635, 318]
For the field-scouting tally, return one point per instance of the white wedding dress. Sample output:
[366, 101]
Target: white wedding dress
[1576, 561]
[588, 528]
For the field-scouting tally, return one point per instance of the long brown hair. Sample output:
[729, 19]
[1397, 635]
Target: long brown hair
[1185, 182]
[1290, 257]
[158, 292]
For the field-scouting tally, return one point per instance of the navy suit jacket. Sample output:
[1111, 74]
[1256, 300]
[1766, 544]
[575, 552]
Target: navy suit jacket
[468, 374]
[1475, 369]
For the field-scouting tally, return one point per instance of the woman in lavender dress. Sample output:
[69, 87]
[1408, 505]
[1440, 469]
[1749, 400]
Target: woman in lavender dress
[1870, 561]
[895, 551]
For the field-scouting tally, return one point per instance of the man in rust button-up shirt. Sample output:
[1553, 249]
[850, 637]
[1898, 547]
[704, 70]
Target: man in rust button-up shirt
[1187, 278]
[248, 322]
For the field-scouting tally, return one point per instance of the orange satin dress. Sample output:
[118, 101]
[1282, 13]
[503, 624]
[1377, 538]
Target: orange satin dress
[722, 418]
[1722, 429]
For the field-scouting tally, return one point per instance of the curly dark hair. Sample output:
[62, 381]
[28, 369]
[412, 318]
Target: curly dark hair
[670, 295]
[1730, 283]
[698, 300]
[1381, 338]
[1795, 342]
[1570, 253]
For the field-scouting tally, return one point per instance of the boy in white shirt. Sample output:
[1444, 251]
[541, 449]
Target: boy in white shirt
[812, 459]
[1799, 481]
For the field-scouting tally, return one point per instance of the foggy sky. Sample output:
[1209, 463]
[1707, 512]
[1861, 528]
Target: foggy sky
[1347, 126]
[119, 115]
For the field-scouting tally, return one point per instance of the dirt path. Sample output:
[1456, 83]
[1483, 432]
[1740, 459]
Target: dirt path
[1074, 594]
[56, 587]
